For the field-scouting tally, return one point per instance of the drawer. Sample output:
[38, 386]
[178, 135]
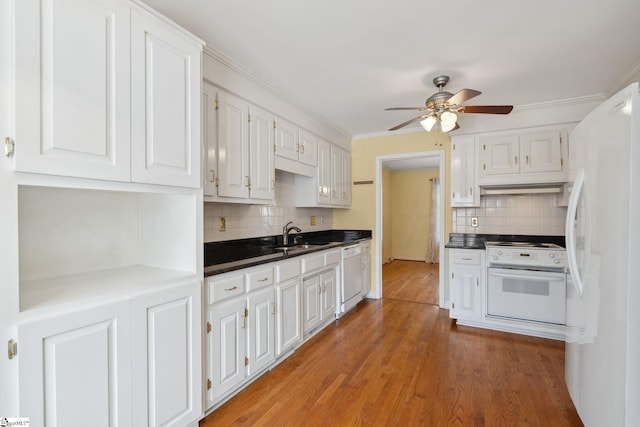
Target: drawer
[221, 289]
[366, 246]
[469, 258]
[259, 279]
[332, 257]
[312, 262]
[287, 270]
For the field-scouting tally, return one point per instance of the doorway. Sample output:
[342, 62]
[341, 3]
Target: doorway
[432, 160]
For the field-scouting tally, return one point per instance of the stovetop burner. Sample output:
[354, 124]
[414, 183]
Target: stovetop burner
[525, 245]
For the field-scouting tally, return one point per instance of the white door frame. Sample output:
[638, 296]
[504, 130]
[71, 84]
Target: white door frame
[436, 154]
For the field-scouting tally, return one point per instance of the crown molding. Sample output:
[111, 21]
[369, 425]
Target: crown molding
[569, 102]
[253, 78]
[632, 75]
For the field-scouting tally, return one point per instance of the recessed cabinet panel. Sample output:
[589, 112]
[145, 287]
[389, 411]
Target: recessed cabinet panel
[72, 88]
[76, 367]
[499, 155]
[542, 152]
[233, 146]
[262, 170]
[165, 99]
[287, 140]
[464, 182]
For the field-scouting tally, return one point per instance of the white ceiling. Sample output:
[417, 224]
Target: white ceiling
[344, 61]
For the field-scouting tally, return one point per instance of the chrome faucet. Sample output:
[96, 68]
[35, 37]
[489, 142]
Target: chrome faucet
[285, 232]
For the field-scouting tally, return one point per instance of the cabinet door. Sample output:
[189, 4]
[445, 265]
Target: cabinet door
[465, 291]
[311, 290]
[308, 151]
[72, 112]
[165, 103]
[209, 140]
[233, 146]
[289, 314]
[499, 155]
[541, 152]
[337, 178]
[226, 347]
[324, 173]
[261, 338]
[167, 357]
[77, 367]
[464, 184]
[328, 295]
[261, 153]
[346, 178]
[287, 140]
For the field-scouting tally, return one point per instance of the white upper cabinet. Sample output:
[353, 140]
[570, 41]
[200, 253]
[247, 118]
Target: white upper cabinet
[239, 145]
[308, 148]
[324, 173]
[105, 90]
[296, 149]
[523, 158]
[261, 154]
[287, 140]
[72, 88]
[340, 177]
[464, 181]
[165, 103]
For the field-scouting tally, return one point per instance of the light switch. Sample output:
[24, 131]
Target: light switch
[222, 224]
[313, 220]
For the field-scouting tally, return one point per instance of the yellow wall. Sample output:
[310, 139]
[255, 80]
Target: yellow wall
[362, 214]
[411, 213]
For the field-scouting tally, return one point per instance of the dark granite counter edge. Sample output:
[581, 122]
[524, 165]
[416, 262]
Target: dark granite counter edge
[476, 241]
[231, 255]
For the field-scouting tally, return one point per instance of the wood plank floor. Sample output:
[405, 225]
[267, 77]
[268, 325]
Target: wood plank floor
[414, 281]
[392, 362]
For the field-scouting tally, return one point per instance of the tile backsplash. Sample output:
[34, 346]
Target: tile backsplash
[534, 214]
[245, 221]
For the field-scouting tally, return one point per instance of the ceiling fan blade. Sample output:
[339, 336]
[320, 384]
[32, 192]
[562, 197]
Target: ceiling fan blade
[457, 126]
[486, 109]
[463, 96]
[408, 122]
[406, 108]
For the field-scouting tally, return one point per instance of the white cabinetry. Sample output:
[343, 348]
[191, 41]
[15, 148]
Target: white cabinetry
[129, 362]
[165, 103]
[296, 144]
[331, 186]
[523, 158]
[464, 179]
[72, 88]
[88, 74]
[167, 357]
[288, 316]
[366, 267]
[319, 299]
[239, 158]
[77, 367]
[240, 329]
[466, 269]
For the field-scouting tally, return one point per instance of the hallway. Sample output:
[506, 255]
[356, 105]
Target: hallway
[410, 281]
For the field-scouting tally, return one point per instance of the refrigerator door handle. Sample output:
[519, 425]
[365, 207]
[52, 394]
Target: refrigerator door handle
[570, 232]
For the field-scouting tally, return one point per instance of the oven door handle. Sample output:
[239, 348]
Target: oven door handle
[537, 275]
[570, 232]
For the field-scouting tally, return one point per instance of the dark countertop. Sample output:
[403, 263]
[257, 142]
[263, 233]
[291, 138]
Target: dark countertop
[230, 255]
[476, 241]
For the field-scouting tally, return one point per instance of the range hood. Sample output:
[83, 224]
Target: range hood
[542, 188]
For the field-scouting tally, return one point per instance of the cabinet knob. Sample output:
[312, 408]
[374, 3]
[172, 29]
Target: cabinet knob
[213, 176]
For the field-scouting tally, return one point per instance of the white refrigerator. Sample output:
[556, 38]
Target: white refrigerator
[603, 250]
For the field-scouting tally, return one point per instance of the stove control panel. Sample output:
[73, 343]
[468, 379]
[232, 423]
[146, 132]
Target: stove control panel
[527, 257]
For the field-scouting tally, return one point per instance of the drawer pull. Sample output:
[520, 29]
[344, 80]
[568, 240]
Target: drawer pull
[230, 289]
[466, 258]
[263, 279]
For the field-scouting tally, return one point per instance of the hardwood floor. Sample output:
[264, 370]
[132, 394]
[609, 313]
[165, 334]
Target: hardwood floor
[391, 362]
[414, 281]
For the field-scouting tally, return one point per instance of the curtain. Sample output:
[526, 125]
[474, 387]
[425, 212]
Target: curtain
[433, 248]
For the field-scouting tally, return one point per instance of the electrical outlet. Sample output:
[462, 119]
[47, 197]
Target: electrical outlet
[222, 224]
[313, 220]
[474, 221]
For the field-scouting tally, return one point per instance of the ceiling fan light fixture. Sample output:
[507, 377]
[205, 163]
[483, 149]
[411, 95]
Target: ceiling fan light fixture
[448, 121]
[427, 123]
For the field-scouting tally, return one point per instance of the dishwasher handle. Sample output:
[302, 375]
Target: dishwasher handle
[351, 251]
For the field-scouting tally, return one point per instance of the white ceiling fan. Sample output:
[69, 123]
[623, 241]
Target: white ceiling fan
[441, 108]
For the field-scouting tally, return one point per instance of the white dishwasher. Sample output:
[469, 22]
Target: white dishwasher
[351, 283]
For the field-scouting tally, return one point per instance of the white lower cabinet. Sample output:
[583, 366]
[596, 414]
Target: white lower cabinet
[227, 347]
[288, 316]
[466, 270]
[131, 362]
[76, 368]
[261, 336]
[319, 294]
[167, 361]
